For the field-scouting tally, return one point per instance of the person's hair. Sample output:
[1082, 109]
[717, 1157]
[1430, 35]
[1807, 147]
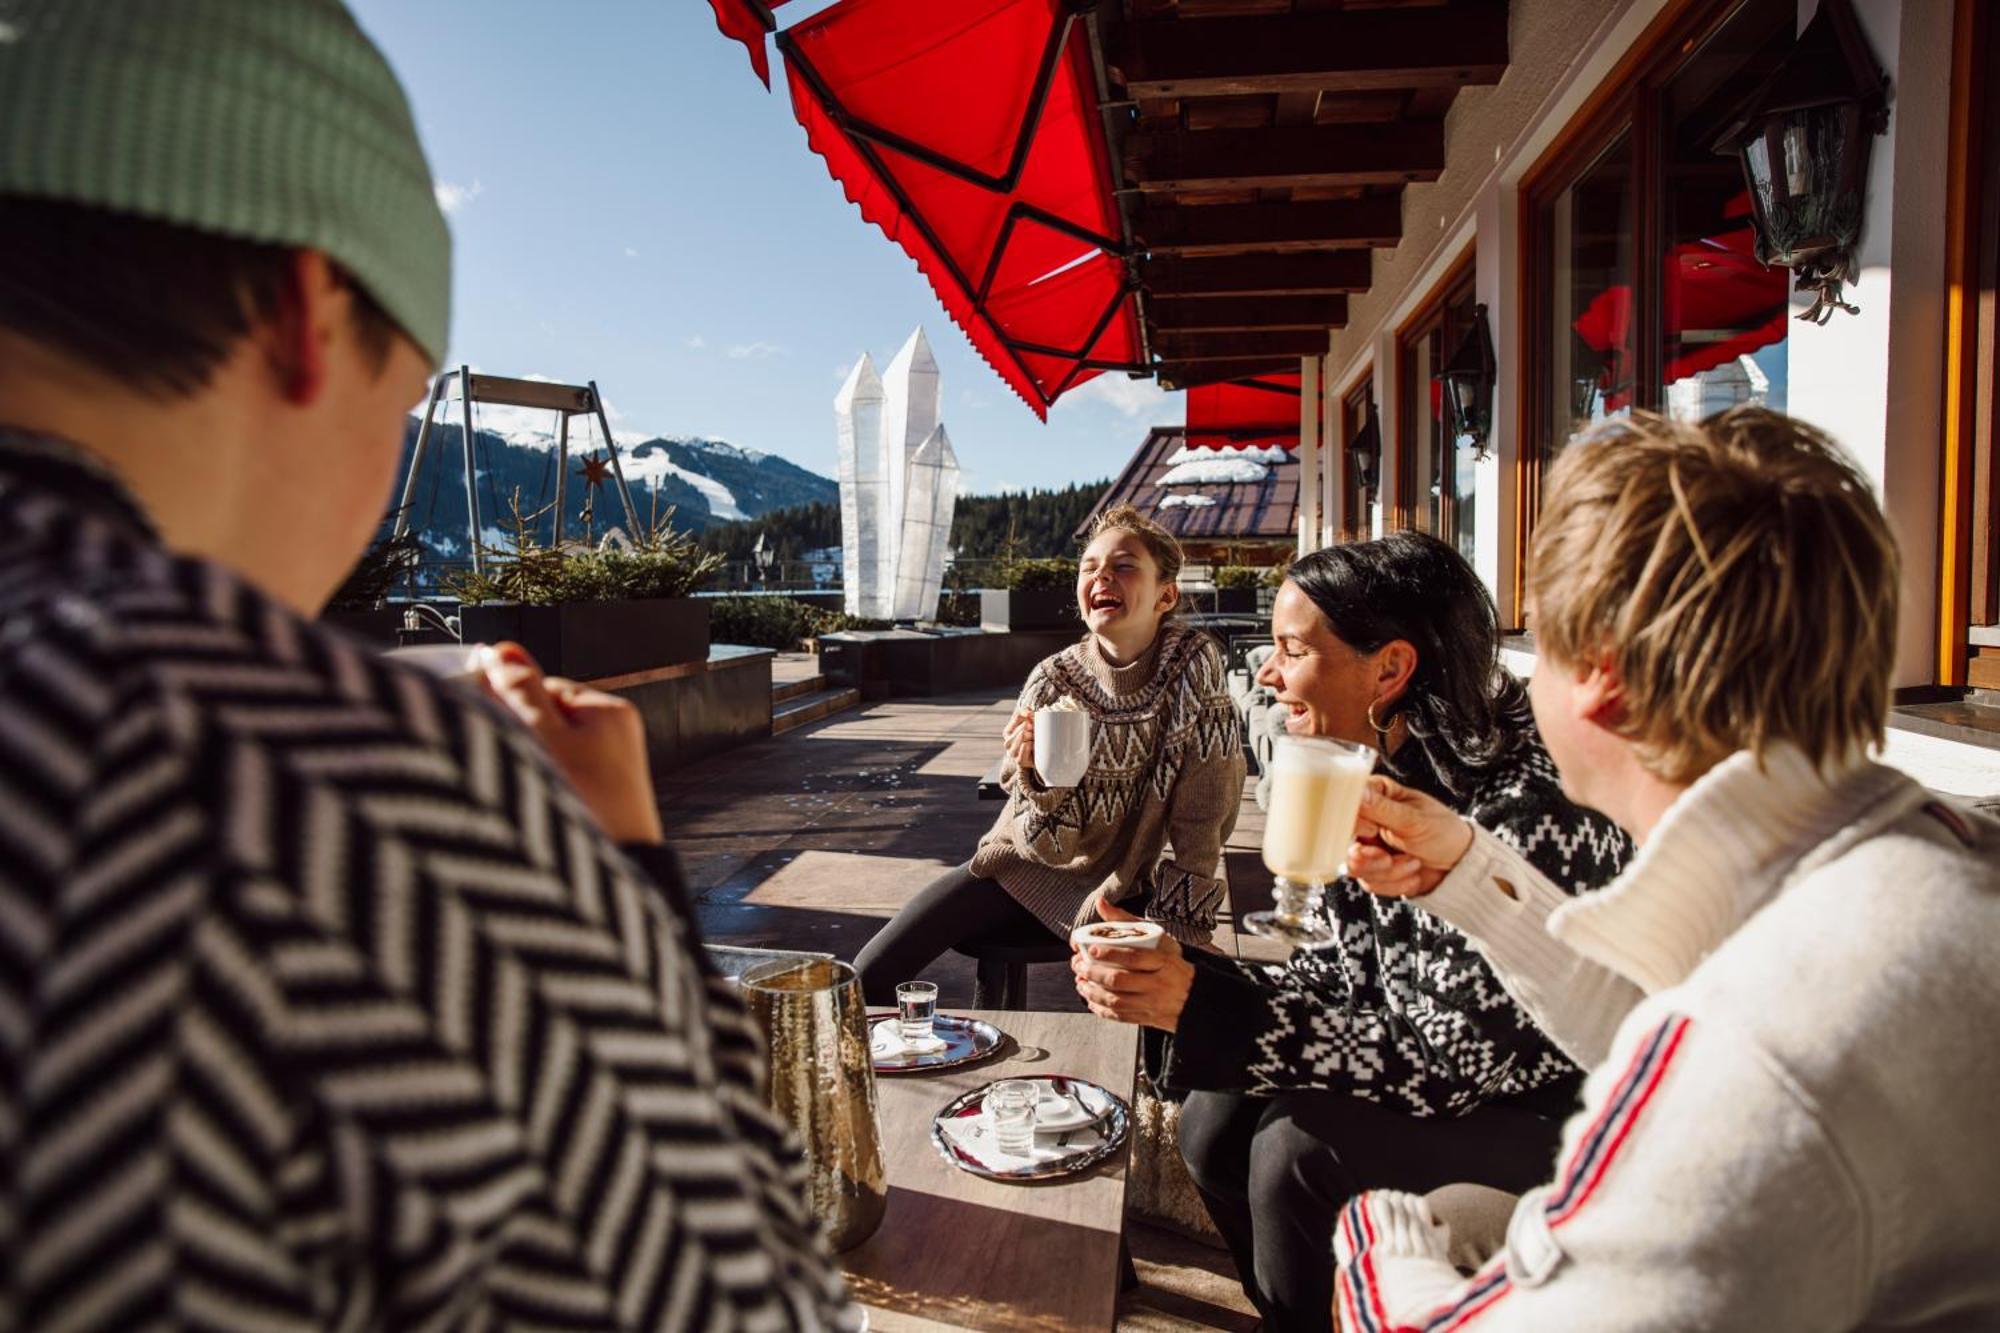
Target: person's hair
[1162, 545]
[1736, 576]
[156, 306]
[1461, 706]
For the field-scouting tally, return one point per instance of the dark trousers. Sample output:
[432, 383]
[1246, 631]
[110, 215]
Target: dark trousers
[1276, 1171]
[957, 907]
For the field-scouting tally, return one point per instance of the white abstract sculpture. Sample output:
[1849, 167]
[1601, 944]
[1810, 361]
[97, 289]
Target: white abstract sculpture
[898, 486]
[930, 495]
[909, 415]
[857, 409]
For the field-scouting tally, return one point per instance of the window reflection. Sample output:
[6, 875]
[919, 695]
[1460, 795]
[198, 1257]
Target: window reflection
[1592, 228]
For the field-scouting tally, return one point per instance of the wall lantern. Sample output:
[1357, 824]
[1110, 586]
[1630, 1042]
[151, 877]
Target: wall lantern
[1468, 383]
[1364, 454]
[1804, 146]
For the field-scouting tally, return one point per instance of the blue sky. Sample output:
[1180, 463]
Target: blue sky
[629, 205]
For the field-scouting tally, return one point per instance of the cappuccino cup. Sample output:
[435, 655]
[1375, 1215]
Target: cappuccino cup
[1118, 935]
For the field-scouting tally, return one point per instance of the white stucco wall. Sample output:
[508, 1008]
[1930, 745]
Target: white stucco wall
[1875, 381]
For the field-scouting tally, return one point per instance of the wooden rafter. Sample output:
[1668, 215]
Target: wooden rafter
[1235, 314]
[1259, 346]
[1287, 156]
[1339, 51]
[1190, 374]
[1228, 229]
[1326, 273]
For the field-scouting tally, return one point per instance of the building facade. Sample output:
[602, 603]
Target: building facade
[1583, 206]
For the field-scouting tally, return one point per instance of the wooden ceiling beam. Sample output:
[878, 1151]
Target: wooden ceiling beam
[1192, 374]
[1240, 346]
[1240, 314]
[1277, 228]
[1287, 156]
[1337, 51]
[1325, 273]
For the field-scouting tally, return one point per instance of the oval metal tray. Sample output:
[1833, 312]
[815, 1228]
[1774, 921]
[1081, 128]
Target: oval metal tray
[1103, 1137]
[965, 1040]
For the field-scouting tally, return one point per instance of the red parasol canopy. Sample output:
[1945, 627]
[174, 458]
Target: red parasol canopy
[748, 21]
[968, 133]
[1719, 304]
[1263, 409]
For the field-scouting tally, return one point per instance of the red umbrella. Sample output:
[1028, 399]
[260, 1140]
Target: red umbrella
[1263, 409]
[968, 132]
[749, 22]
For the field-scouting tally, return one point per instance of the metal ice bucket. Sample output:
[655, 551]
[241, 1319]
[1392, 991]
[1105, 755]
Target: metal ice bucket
[822, 1081]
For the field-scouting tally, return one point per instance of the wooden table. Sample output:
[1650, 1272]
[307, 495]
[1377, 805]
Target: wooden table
[960, 1252]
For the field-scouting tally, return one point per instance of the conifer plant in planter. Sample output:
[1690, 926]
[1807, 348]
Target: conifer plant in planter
[588, 611]
[1037, 594]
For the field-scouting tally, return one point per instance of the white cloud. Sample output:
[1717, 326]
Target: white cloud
[697, 342]
[756, 351]
[1130, 398]
[630, 253]
[451, 197]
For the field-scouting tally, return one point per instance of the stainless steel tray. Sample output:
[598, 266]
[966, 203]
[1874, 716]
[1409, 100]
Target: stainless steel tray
[965, 1040]
[1055, 1155]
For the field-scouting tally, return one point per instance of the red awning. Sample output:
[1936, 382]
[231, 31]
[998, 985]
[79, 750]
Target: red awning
[968, 132]
[1261, 410]
[1719, 304]
[749, 22]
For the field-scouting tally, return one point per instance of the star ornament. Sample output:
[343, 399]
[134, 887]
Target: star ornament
[594, 470]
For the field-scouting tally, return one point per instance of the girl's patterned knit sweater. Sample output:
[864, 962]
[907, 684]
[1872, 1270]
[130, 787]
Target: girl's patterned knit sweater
[1166, 767]
[1401, 1009]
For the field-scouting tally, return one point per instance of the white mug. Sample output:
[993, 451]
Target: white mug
[1062, 745]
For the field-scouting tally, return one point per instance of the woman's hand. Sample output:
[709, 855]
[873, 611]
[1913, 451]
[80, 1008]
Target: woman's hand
[598, 740]
[1144, 986]
[1405, 842]
[1021, 740]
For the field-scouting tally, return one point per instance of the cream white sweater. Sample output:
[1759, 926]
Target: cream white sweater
[1790, 1003]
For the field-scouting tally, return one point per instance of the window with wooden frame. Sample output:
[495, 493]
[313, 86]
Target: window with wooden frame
[1357, 414]
[1435, 478]
[1640, 283]
[1969, 618]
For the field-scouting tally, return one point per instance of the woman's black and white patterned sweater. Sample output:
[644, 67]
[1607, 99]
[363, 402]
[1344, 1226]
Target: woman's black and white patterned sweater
[1401, 1009]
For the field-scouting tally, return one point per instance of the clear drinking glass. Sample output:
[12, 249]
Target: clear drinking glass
[916, 1006]
[1010, 1109]
[1316, 787]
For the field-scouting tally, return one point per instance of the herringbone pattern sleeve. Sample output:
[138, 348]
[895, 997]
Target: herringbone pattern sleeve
[324, 1005]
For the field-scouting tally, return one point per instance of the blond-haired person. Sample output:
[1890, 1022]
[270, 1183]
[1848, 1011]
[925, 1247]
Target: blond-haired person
[1788, 1001]
[1144, 827]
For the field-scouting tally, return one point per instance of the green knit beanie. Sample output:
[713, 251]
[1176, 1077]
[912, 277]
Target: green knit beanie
[271, 120]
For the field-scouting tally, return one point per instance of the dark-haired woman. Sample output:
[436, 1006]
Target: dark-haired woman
[1392, 1057]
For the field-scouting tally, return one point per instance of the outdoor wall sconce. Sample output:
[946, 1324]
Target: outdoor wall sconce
[1364, 454]
[1468, 384]
[1804, 146]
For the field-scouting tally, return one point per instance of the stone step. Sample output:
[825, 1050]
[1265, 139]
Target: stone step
[811, 708]
[792, 689]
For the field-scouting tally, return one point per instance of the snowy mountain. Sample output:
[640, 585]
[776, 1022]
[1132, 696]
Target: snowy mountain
[703, 480]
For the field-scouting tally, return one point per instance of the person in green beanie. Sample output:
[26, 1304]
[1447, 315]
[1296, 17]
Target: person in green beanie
[329, 997]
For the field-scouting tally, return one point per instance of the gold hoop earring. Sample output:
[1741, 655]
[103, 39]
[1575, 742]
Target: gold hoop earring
[1380, 730]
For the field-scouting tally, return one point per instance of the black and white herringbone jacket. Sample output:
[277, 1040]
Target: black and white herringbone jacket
[1401, 1009]
[323, 1002]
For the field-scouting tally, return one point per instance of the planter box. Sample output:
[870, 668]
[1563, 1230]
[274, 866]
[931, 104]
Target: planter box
[592, 640]
[1014, 608]
[1236, 601]
[379, 626]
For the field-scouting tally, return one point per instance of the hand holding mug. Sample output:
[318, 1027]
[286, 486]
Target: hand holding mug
[1405, 842]
[597, 739]
[1020, 740]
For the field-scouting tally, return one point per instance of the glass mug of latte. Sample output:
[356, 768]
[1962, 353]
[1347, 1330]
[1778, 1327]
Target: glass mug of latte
[1316, 788]
[1062, 743]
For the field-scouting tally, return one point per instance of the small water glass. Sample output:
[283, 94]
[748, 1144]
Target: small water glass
[916, 1006]
[1010, 1109]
